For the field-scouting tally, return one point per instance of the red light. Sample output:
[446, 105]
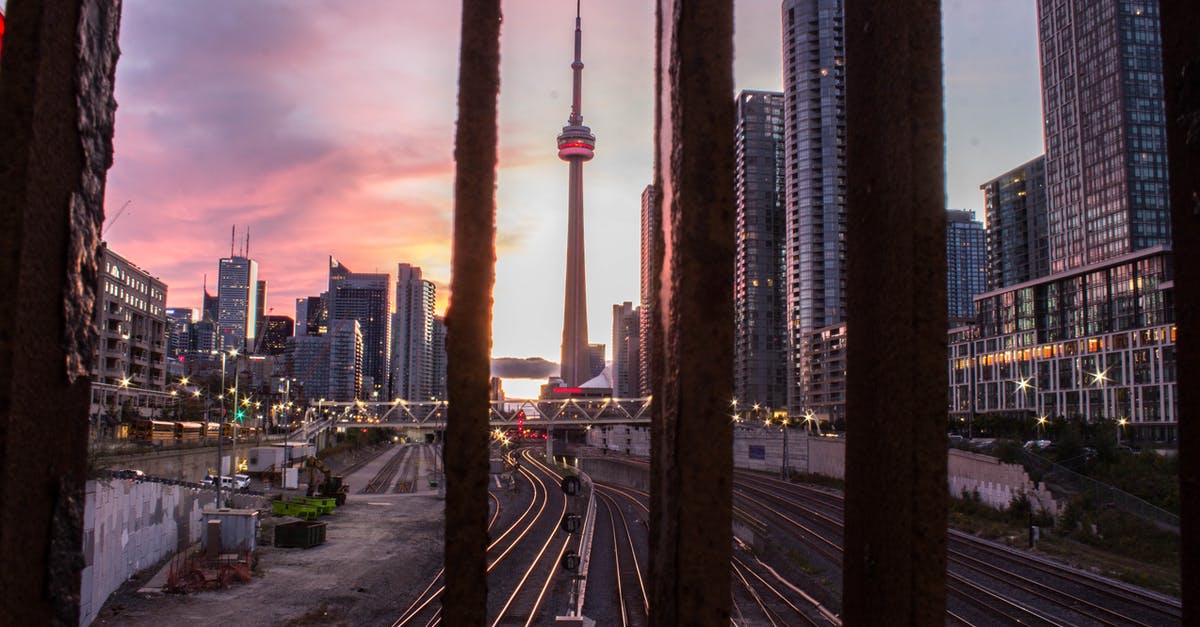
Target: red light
[568, 390]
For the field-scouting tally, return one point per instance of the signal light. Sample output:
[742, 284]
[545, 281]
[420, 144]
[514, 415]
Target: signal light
[570, 561]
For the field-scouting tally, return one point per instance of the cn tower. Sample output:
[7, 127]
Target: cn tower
[575, 146]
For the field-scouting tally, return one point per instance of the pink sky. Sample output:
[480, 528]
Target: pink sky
[327, 128]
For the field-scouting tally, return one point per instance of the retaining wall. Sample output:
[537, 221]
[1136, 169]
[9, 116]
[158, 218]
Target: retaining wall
[183, 464]
[996, 482]
[129, 526]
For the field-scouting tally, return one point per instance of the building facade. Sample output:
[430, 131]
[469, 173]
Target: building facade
[815, 138]
[645, 321]
[825, 384]
[966, 265]
[237, 302]
[626, 372]
[347, 361]
[365, 297]
[179, 330]
[439, 358]
[131, 317]
[759, 299]
[412, 335]
[1096, 343]
[1105, 130]
[276, 331]
[1016, 210]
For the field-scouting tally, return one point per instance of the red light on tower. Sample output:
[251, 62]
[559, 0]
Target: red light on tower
[1, 34]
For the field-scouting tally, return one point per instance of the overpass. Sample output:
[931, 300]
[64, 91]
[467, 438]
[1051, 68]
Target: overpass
[530, 413]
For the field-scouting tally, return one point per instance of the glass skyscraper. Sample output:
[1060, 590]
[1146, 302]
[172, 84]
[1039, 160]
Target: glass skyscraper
[1106, 149]
[966, 264]
[760, 321]
[815, 139]
[1016, 210]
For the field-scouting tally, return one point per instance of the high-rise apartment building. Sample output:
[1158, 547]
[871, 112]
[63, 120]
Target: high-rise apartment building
[365, 297]
[645, 322]
[626, 373]
[412, 335]
[1016, 210]
[966, 265]
[1105, 129]
[237, 302]
[1095, 338]
[760, 305]
[439, 358]
[131, 317]
[815, 139]
[596, 362]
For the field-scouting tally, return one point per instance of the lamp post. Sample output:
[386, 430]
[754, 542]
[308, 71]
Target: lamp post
[808, 419]
[1041, 425]
[1120, 427]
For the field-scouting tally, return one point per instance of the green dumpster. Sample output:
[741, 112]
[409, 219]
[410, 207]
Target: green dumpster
[300, 534]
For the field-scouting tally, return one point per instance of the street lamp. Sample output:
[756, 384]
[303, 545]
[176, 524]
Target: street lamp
[1120, 427]
[1041, 424]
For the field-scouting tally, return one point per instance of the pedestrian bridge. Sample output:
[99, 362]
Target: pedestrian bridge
[509, 413]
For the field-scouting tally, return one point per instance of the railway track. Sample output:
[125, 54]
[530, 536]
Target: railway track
[382, 479]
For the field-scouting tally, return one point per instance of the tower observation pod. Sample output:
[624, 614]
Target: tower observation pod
[575, 146]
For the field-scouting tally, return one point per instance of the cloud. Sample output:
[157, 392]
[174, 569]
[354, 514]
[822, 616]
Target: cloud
[526, 368]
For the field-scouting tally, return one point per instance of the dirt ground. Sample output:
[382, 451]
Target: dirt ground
[381, 551]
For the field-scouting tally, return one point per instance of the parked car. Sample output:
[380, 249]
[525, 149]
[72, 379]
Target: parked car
[227, 483]
[1037, 444]
[129, 473]
[242, 482]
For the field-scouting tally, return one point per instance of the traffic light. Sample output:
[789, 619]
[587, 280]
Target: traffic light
[241, 413]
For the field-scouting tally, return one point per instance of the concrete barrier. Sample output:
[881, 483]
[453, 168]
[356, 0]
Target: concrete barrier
[129, 526]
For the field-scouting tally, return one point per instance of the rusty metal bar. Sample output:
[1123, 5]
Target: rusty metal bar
[692, 460]
[56, 124]
[469, 317]
[1180, 24]
[895, 564]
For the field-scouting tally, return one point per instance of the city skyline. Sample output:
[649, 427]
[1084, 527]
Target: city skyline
[295, 129]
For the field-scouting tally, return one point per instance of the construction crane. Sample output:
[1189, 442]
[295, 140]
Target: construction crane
[117, 215]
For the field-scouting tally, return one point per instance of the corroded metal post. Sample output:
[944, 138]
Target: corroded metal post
[692, 457]
[56, 126]
[895, 564]
[1180, 20]
[469, 317]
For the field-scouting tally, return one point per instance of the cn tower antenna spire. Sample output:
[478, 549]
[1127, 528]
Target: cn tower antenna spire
[576, 146]
[576, 118]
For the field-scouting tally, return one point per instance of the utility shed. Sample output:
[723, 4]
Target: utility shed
[239, 529]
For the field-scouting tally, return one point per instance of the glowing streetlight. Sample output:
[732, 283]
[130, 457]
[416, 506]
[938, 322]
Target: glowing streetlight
[1041, 423]
[1099, 376]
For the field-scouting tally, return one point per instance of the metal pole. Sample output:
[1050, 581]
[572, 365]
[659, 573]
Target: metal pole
[236, 425]
[220, 435]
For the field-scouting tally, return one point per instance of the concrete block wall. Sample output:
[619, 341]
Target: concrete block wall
[632, 474]
[183, 464]
[996, 482]
[628, 439]
[130, 526]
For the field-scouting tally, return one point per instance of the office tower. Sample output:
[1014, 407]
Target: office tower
[211, 306]
[760, 306]
[260, 311]
[347, 360]
[966, 265]
[626, 373]
[237, 296]
[365, 297]
[307, 360]
[179, 330]
[412, 335]
[645, 322]
[311, 315]
[439, 358]
[276, 330]
[1016, 211]
[1106, 149]
[815, 139]
[131, 318]
[575, 146]
[595, 361]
